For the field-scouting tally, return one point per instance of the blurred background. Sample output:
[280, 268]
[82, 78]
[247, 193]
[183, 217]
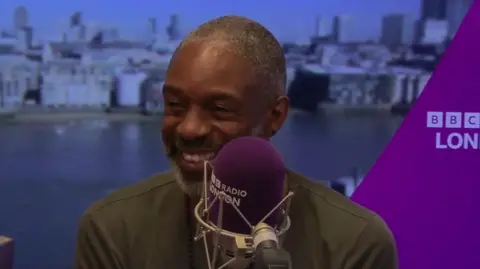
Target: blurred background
[81, 100]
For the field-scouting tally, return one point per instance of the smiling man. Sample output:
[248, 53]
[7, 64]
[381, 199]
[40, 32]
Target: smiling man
[225, 80]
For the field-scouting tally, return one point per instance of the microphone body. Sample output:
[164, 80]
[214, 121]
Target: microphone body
[251, 172]
[268, 253]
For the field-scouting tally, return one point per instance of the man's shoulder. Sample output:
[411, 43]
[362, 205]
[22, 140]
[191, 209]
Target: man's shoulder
[327, 198]
[341, 220]
[133, 194]
[127, 216]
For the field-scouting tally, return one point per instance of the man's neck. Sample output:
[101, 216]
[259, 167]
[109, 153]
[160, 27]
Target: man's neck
[193, 199]
[193, 188]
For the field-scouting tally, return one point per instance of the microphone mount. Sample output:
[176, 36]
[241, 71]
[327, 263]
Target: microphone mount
[241, 245]
[271, 258]
[268, 253]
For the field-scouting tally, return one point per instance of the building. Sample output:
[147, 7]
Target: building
[77, 31]
[331, 55]
[433, 14]
[397, 30]
[22, 32]
[152, 26]
[434, 9]
[68, 83]
[408, 84]
[20, 18]
[321, 27]
[372, 57]
[355, 86]
[456, 11]
[76, 19]
[173, 28]
[24, 38]
[15, 80]
[342, 29]
[433, 31]
[17, 76]
[79, 74]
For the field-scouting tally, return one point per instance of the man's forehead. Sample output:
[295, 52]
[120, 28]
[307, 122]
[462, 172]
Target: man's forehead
[208, 64]
[206, 50]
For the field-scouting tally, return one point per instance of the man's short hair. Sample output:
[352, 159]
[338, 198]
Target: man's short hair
[251, 41]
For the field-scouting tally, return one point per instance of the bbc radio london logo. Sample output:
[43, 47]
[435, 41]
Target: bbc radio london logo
[456, 130]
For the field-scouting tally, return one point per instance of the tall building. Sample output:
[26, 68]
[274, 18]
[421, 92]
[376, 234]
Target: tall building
[321, 27]
[20, 18]
[342, 29]
[24, 38]
[76, 30]
[76, 33]
[397, 30]
[434, 9]
[76, 19]
[433, 32]
[456, 11]
[173, 30]
[82, 32]
[152, 26]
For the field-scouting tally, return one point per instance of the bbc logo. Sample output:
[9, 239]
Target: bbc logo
[467, 120]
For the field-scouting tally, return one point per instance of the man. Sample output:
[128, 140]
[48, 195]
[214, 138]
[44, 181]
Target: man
[225, 80]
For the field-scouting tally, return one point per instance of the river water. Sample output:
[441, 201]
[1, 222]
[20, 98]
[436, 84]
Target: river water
[50, 172]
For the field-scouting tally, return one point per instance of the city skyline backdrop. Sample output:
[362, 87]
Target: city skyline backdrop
[288, 20]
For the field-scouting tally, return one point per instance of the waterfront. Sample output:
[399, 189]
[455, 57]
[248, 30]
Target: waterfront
[51, 171]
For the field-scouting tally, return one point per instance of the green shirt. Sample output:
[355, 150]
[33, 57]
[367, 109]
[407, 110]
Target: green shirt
[144, 226]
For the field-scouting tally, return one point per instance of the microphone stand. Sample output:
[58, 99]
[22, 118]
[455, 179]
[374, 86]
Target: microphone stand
[270, 257]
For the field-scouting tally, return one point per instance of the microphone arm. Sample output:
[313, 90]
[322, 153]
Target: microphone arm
[268, 254]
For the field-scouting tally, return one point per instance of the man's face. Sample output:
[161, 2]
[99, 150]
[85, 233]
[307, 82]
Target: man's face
[208, 103]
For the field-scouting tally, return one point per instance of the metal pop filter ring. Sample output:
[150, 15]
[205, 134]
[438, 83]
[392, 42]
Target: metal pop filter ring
[242, 242]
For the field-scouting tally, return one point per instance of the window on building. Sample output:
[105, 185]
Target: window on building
[16, 89]
[28, 83]
[7, 89]
[84, 76]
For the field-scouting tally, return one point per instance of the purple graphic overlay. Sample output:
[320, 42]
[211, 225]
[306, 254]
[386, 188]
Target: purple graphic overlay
[425, 184]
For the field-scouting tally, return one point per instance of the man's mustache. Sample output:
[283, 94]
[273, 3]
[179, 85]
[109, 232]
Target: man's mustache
[181, 144]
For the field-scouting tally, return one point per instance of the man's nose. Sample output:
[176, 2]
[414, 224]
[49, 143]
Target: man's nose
[193, 126]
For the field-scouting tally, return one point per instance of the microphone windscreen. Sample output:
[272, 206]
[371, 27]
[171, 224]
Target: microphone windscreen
[251, 172]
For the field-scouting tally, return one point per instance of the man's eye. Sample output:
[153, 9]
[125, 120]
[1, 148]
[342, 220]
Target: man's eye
[221, 109]
[172, 103]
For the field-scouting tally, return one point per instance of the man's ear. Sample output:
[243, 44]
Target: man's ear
[278, 114]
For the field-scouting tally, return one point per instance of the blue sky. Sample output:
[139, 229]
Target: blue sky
[288, 20]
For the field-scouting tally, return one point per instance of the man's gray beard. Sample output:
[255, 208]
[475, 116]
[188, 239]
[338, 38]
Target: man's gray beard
[195, 189]
[192, 189]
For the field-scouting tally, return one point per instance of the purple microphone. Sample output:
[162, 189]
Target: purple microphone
[251, 172]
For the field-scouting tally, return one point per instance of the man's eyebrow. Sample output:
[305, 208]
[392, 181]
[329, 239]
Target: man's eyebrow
[171, 89]
[217, 94]
[224, 96]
